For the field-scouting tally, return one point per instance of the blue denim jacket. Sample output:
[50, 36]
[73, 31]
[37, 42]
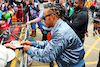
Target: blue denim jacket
[65, 47]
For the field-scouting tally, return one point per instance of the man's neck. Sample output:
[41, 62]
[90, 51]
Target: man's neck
[54, 21]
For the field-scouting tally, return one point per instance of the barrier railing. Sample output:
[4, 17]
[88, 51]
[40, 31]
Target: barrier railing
[26, 38]
[20, 14]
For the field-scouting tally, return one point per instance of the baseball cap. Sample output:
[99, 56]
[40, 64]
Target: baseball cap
[6, 55]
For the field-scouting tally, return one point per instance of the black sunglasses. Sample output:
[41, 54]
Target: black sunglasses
[45, 16]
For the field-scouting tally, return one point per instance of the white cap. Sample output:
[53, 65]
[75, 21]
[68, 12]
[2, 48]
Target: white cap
[6, 55]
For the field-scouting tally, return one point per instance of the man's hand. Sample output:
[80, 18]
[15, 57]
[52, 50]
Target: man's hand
[28, 23]
[26, 48]
[86, 34]
[26, 42]
[27, 2]
[8, 45]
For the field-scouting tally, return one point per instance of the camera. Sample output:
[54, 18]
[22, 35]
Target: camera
[96, 10]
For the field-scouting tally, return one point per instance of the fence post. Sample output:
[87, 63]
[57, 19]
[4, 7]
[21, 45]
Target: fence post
[26, 38]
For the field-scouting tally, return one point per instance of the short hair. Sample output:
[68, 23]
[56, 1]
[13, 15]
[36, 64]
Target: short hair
[82, 1]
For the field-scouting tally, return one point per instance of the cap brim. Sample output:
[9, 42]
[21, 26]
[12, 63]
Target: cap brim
[11, 54]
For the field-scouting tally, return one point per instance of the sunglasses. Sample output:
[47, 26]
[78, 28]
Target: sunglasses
[45, 16]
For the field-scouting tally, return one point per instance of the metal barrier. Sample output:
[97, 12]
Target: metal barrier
[26, 38]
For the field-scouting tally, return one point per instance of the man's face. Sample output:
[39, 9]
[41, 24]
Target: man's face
[46, 18]
[77, 5]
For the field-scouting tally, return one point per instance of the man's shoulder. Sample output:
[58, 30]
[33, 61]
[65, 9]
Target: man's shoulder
[64, 28]
[82, 14]
[84, 11]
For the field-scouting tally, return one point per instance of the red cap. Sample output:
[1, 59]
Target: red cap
[4, 26]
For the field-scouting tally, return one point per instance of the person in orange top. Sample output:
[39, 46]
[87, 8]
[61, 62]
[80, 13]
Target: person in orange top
[89, 4]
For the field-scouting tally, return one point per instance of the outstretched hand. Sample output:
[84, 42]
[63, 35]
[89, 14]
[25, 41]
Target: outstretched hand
[26, 42]
[28, 23]
[8, 45]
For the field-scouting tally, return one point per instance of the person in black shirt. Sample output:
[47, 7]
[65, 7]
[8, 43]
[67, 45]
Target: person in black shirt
[79, 19]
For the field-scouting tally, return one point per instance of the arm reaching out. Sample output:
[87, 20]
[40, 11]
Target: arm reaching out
[34, 21]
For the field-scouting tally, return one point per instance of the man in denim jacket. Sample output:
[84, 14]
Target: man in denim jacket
[65, 47]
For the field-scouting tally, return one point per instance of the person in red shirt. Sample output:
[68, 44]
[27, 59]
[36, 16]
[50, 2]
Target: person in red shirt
[93, 2]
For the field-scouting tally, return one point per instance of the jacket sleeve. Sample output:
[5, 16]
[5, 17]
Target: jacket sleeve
[41, 44]
[51, 50]
[86, 29]
[78, 22]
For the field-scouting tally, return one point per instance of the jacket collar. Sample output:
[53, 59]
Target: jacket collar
[83, 9]
[56, 25]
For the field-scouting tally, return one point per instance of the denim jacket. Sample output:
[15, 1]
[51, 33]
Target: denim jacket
[65, 47]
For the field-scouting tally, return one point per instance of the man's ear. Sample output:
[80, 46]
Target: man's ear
[81, 5]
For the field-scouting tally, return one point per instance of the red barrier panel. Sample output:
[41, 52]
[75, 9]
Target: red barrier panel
[19, 14]
[16, 30]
